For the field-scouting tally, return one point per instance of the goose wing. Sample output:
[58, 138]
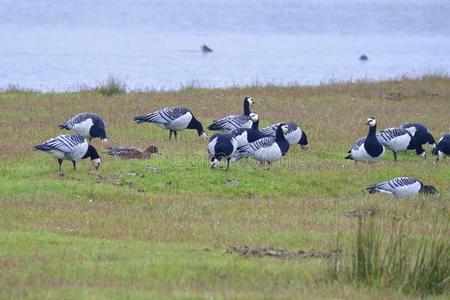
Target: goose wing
[80, 118]
[231, 122]
[394, 138]
[66, 144]
[163, 116]
[397, 186]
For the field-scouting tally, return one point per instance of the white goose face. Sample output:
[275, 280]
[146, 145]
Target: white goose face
[250, 100]
[285, 128]
[254, 117]
[371, 122]
[214, 162]
[96, 163]
[204, 136]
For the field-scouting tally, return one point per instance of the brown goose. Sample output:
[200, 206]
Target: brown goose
[132, 152]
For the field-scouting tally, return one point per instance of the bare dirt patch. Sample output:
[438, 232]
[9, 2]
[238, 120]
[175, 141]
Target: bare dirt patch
[248, 251]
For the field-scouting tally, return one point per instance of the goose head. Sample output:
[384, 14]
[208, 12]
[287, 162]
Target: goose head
[371, 122]
[249, 100]
[254, 117]
[214, 162]
[284, 128]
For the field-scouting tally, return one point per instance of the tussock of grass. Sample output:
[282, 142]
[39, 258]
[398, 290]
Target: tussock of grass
[396, 260]
[111, 86]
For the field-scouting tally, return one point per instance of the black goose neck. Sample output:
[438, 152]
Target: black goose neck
[247, 108]
[372, 130]
[255, 125]
[92, 153]
[195, 124]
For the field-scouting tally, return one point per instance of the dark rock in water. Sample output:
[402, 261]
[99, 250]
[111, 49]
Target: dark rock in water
[363, 57]
[206, 49]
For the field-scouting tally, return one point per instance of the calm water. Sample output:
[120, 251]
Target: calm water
[59, 45]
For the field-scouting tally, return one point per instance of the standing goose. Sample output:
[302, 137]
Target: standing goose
[295, 134]
[443, 147]
[420, 136]
[87, 125]
[71, 147]
[132, 152]
[235, 121]
[174, 119]
[266, 149]
[221, 146]
[367, 149]
[244, 136]
[402, 187]
[396, 139]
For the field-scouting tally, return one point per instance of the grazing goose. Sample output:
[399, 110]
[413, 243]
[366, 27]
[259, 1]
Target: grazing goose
[244, 136]
[174, 119]
[396, 139]
[442, 149]
[295, 134]
[235, 121]
[132, 152]
[367, 149]
[401, 187]
[221, 146]
[267, 149]
[71, 147]
[87, 125]
[420, 136]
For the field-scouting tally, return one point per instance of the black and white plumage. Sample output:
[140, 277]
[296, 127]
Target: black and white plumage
[420, 135]
[173, 119]
[402, 187]
[71, 147]
[442, 149]
[221, 146]
[266, 149]
[244, 136]
[367, 149]
[232, 122]
[295, 134]
[87, 125]
[395, 139]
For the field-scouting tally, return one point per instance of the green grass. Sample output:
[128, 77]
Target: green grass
[161, 227]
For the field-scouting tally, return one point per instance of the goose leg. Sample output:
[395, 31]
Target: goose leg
[175, 133]
[395, 155]
[228, 164]
[74, 163]
[170, 134]
[60, 161]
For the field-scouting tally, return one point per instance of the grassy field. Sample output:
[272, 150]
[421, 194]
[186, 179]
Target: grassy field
[165, 227]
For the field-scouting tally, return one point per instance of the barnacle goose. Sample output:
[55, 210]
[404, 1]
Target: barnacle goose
[367, 149]
[221, 146]
[87, 125]
[396, 139]
[132, 152]
[266, 149]
[174, 119]
[244, 136]
[71, 147]
[235, 121]
[401, 187]
[295, 134]
[443, 147]
[420, 136]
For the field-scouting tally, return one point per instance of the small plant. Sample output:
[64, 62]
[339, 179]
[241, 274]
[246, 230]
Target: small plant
[396, 261]
[112, 86]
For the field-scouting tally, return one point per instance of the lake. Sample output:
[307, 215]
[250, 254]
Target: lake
[62, 45]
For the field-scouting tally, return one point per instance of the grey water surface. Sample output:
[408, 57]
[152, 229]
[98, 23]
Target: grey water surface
[62, 45]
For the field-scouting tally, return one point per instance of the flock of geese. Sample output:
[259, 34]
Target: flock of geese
[240, 137]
